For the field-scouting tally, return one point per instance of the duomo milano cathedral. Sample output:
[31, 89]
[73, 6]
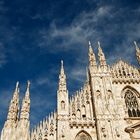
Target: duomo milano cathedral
[107, 107]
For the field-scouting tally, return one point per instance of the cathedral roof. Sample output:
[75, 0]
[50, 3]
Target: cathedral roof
[124, 72]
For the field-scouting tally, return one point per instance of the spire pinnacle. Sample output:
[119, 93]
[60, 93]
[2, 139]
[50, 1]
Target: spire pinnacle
[28, 89]
[16, 92]
[101, 55]
[17, 88]
[89, 43]
[137, 51]
[62, 77]
[14, 105]
[135, 43]
[99, 45]
[137, 48]
[61, 62]
[92, 58]
[17, 85]
[62, 93]
[25, 110]
[28, 84]
[90, 48]
[62, 68]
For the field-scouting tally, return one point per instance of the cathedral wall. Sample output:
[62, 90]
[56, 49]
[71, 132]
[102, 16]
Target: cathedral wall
[119, 97]
[117, 88]
[121, 107]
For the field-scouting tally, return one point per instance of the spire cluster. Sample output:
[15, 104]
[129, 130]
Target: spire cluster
[14, 104]
[92, 58]
[13, 113]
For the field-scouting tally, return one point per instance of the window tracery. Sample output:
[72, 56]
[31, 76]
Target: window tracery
[132, 105]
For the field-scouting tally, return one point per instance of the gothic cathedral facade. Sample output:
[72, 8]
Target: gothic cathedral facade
[107, 107]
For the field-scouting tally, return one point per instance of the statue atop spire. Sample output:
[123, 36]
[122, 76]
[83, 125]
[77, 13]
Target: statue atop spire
[92, 58]
[101, 55]
[137, 51]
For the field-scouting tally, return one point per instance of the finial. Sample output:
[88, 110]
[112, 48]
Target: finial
[135, 43]
[92, 59]
[28, 88]
[61, 63]
[89, 43]
[62, 78]
[137, 48]
[28, 84]
[17, 85]
[90, 48]
[101, 55]
[62, 68]
[99, 45]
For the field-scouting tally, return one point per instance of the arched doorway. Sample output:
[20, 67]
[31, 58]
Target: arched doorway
[83, 136]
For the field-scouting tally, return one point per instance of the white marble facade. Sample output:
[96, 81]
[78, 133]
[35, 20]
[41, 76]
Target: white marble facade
[107, 107]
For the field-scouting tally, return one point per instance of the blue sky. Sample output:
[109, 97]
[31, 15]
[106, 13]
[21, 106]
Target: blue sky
[36, 34]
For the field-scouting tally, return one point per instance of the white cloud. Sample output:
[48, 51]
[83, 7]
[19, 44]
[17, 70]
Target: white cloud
[103, 24]
[81, 29]
[78, 74]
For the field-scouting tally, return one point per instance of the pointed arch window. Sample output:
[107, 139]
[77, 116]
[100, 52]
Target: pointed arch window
[62, 105]
[83, 136]
[83, 112]
[78, 113]
[132, 105]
